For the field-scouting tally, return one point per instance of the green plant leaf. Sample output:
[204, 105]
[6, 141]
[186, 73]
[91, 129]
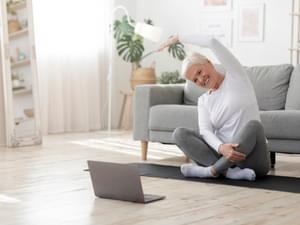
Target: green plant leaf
[122, 27]
[130, 49]
[170, 78]
[177, 51]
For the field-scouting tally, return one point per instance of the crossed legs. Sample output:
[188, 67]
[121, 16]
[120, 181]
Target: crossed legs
[251, 141]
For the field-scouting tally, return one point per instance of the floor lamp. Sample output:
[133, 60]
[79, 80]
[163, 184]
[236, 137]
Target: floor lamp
[147, 31]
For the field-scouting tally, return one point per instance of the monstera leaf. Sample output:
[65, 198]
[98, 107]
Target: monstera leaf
[177, 51]
[122, 27]
[130, 48]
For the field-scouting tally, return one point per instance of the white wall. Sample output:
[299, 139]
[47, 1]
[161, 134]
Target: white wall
[184, 17]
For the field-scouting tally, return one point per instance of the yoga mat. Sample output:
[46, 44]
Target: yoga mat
[269, 182]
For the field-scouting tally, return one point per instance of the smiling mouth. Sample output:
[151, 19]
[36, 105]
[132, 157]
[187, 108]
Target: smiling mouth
[206, 82]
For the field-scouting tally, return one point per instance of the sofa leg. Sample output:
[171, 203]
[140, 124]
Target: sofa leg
[273, 159]
[144, 145]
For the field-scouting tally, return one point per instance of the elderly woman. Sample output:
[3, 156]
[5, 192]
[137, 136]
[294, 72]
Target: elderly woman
[231, 139]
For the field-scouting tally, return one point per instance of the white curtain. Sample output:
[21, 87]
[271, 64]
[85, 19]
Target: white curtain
[72, 56]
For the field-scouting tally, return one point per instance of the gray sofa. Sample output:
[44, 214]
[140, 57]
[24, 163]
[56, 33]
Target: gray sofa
[159, 109]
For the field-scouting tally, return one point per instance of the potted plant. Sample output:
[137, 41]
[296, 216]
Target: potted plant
[172, 77]
[130, 46]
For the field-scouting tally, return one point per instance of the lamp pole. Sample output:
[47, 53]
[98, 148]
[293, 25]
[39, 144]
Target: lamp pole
[110, 69]
[147, 31]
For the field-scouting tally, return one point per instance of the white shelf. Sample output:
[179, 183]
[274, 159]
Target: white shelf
[20, 63]
[294, 49]
[22, 120]
[295, 13]
[18, 34]
[22, 91]
[20, 96]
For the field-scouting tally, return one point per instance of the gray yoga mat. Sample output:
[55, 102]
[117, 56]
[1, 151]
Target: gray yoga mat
[269, 182]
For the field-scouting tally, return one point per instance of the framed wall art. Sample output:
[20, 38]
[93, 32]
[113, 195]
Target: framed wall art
[251, 22]
[216, 5]
[220, 29]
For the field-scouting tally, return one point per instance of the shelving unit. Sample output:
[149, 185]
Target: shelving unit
[20, 63]
[22, 120]
[295, 32]
[22, 91]
[19, 67]
[18, 34]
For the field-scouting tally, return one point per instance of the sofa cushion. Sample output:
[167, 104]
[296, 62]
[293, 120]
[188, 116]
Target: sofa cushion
[281, 124]
[168, 117]
[270, 84]
[293, 94]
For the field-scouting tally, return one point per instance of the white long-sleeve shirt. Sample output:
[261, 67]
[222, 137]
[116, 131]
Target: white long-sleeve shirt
[223, 112]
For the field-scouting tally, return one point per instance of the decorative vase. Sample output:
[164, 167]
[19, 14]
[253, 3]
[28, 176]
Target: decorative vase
[142, 76]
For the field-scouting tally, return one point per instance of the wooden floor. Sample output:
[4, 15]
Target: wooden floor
[47, 185]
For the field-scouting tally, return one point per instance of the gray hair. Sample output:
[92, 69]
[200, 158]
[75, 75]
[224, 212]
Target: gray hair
[191, 59]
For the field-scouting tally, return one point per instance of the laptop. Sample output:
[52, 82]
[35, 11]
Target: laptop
[118, 181]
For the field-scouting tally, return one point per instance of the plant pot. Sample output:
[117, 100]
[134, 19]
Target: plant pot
[142, 76]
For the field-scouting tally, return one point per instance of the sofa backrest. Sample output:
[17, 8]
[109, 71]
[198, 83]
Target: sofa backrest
[293, 94]
[270, 84]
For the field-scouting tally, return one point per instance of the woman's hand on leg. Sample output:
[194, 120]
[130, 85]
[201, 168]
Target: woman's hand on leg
[229, 152]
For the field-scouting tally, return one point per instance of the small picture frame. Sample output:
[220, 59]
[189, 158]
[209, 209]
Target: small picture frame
[251, 22]
[215, 5]
[219, 28]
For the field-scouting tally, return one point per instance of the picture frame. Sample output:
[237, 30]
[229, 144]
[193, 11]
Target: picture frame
[215, 5]
[219, 28]
[251, 22]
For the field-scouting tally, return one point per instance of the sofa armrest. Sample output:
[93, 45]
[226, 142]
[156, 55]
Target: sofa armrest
[147, 96]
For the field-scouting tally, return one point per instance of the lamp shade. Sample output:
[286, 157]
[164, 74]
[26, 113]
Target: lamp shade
[149, 32]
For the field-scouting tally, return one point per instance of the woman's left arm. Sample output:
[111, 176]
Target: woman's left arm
[226, 58]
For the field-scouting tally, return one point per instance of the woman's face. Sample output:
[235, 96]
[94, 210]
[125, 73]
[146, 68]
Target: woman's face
[203, 75]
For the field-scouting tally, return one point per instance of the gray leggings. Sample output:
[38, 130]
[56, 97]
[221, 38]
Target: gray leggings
[251, 141]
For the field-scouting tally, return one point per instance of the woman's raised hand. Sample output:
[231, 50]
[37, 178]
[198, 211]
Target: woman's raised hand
[172, 40]
[229, 152]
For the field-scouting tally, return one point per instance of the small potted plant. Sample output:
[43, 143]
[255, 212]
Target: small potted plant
[130, 46]
[170, 78]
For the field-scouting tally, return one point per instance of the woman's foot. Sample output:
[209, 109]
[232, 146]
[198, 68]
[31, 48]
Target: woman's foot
[193, 170]
[240, 174]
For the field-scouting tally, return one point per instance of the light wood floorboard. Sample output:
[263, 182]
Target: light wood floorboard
[47, 185]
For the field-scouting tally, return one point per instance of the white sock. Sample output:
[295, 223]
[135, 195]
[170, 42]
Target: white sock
[193, 170]
[240, 174]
